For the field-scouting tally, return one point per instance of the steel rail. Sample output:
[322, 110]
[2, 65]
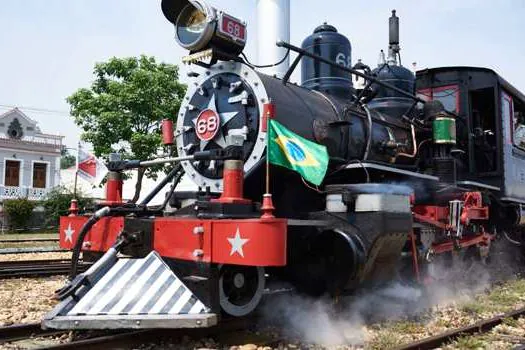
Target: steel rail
[24, 331]
[137, 337]
[121, 340]
[39, 268]
[22, 263]
[482, 326]
[26, 250]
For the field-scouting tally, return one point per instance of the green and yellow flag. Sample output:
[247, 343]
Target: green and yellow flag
[296, 153]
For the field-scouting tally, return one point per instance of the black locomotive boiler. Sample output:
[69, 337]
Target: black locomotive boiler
[421, 166]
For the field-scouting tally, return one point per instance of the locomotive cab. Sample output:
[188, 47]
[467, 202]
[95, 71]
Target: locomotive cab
[490, 128]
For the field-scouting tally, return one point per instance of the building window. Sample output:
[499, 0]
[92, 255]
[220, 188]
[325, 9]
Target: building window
[448, 95]
[39, 175]
[12, 173]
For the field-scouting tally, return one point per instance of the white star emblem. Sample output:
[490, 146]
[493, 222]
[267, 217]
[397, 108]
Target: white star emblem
[69, 233]
[225, 118]
[237, 242]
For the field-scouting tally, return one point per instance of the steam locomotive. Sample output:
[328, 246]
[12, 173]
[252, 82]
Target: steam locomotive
[420, 167]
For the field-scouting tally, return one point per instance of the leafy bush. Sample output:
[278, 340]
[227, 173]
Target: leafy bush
[18, 212]
[57, 202]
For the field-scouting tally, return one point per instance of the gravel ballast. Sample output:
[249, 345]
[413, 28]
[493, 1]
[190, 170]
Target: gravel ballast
[26, 300]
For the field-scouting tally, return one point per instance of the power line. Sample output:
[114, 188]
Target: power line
[36, 109]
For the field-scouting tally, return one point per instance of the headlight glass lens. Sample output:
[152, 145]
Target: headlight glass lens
[190, 24]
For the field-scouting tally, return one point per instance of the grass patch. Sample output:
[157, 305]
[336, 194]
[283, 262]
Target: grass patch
[511, 322]
[469, 342]
[476, 307]
[385, 340]
[407, 327]
[500, 299]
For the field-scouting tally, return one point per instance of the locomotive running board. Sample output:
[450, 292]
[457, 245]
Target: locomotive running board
[133, 293]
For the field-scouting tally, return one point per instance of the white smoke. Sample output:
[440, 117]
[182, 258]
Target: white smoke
[324, 321]
[313, 321]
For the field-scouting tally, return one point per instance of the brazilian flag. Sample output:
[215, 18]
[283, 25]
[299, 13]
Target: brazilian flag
[296, 153]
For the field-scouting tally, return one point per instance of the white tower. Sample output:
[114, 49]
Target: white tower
[273, 24]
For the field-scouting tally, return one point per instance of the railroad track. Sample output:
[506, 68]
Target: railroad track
[26, 250]
[39, 268]
[482, 326]
[24, 331]
[125, 339]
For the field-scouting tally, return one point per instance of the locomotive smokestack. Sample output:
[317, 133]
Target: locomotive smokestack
[273, 24]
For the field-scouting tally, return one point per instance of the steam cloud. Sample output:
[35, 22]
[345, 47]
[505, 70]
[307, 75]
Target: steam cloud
[321, 321]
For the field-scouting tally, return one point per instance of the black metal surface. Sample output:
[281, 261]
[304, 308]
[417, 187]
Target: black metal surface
[387, 100]
[140, 233]
[445, 169]
[218, 89]
[328, 43]
[334, 122]
[349, 70]
[201, 279]
[351, 247]
[214, 210]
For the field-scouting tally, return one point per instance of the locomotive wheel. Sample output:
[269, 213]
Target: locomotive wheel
[240, 289]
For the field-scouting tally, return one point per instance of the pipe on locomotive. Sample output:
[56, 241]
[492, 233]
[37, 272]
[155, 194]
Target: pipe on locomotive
[117, 166]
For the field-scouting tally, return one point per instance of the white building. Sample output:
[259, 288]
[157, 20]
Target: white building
[29, 158]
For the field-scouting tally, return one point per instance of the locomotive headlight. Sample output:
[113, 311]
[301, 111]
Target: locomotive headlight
[199, 26]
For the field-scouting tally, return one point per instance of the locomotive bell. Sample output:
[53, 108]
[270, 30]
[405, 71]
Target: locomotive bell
[199, 26]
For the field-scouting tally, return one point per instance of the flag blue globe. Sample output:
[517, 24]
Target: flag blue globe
[295, 151]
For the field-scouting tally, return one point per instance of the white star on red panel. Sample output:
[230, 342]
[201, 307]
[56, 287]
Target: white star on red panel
[69, 233]
[237, 243]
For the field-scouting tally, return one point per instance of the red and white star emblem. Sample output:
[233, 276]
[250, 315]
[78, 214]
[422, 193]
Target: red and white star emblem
[69, 233]
[237, 243]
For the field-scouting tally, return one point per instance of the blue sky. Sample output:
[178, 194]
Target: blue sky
[49, 47]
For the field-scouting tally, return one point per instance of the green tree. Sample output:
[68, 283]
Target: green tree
[122, 110]
[57, 202]
[19, 212]
[67, 160]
